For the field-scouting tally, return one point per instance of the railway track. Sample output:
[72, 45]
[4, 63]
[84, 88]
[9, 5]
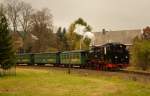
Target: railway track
[136, 72]
[143, 77]
[126, 72]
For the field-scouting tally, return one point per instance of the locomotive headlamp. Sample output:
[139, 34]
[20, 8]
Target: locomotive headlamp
[116, 57]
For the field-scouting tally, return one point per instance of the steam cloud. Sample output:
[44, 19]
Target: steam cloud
[81, 30]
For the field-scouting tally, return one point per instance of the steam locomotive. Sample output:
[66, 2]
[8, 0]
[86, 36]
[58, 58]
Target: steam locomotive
[106, 57]
[109, 56]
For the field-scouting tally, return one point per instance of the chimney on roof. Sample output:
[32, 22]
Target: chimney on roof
[103, 31]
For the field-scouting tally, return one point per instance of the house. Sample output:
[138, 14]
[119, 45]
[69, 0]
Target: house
[122, 36]
[17, 41]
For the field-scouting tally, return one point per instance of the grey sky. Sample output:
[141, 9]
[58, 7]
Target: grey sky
[109, 14]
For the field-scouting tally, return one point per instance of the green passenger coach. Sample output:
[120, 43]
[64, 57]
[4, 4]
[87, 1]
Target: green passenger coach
[73, 57]
[46, 58]
[56, 58]
[25, 58]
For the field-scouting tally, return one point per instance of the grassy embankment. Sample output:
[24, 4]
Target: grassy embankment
[42, 82]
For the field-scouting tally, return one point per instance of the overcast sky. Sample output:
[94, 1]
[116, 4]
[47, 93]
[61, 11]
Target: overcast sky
[108, 14]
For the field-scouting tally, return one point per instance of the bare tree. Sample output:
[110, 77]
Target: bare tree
[2, 9]
[25, 21]
[25, 16]
[42, 27]
[13, 8]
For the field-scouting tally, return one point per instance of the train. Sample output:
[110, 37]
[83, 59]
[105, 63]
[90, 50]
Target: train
[110, 56]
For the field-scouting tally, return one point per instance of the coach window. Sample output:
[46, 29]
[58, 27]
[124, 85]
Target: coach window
[63, 57]
[73, 56]
[76, 56]
[66, 56]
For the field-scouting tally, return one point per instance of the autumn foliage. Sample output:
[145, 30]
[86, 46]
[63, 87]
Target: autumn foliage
[140, 53]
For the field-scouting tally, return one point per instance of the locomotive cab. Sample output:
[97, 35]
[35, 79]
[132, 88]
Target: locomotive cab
[117, 54]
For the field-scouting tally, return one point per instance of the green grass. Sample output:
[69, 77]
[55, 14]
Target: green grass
[53, 82]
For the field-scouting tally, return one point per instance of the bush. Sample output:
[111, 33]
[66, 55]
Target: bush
[140, 54]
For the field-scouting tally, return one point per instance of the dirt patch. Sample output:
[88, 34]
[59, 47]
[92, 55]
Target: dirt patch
[8, 90]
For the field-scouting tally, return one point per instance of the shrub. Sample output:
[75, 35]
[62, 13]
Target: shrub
[140, 54]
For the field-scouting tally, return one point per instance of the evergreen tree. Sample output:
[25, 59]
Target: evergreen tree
[59, 39]
[65, 43]
[7, 54]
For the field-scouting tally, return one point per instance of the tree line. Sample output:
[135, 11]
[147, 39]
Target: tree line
[36, 29]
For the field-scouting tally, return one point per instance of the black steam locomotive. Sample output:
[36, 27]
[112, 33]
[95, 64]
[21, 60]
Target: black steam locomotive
[108, 56]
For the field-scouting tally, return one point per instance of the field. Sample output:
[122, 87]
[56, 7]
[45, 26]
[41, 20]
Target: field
[56, 82]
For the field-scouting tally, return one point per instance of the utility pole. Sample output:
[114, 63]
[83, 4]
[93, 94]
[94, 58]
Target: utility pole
[69, 67]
